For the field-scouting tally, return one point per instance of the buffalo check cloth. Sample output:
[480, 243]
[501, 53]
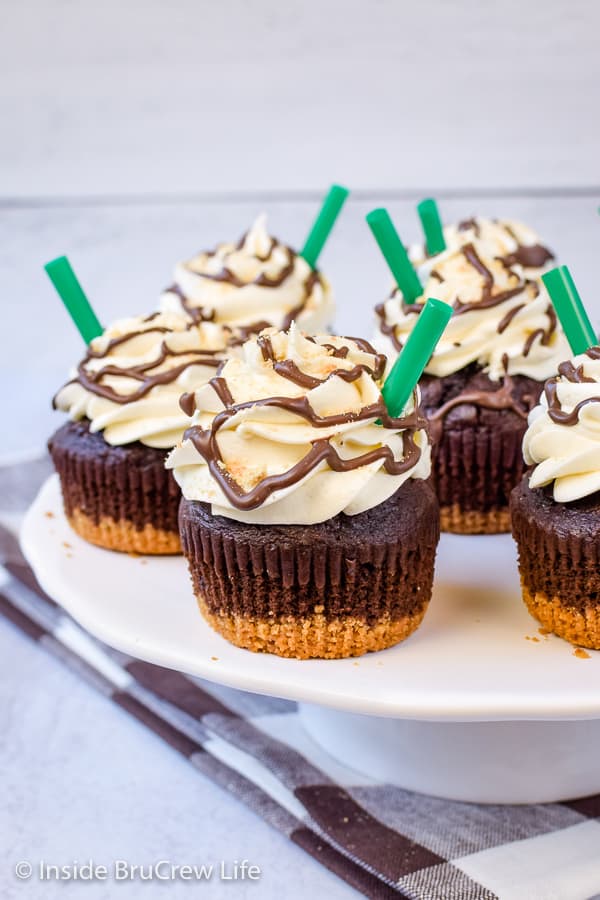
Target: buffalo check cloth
[384, 841]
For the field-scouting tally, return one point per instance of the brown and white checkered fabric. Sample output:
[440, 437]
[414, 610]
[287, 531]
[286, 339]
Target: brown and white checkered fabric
[384, 841]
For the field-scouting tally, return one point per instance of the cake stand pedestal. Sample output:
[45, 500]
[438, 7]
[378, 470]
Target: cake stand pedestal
[477, 762]
[477, 705]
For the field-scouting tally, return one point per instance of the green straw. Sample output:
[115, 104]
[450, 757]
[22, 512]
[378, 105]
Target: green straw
[71, 293]
[569, 309]
[321, 229]
[432, 226]
[415, 355]
[395, 255]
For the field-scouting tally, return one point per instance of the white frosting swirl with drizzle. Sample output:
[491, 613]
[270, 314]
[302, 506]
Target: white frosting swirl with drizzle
[130, 382]
[563, 438]
[502, 320]
[253, 284]
[506, 239]
[288, 433]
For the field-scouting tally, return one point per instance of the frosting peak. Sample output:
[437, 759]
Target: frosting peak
[502, 320]
[505, 239]
[255, 283]
[287, 433]
[129, 383]
[563, 438]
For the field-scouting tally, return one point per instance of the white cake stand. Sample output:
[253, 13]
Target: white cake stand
[477, 705]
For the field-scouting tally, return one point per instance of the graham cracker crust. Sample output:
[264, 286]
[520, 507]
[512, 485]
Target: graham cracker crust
[124, 536]
[564, 621]
[471, 521]
[312, 637]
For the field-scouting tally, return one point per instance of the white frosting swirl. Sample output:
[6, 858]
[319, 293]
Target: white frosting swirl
[502, 320]
[567, 454]
[493, 238]
[139, 351]
[258, 440]
[257, 281]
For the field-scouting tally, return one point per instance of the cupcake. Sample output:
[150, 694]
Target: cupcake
[484, 377]
[506, 239]
[123, 402]
[256, 283]
[307, 521]
[556, 507]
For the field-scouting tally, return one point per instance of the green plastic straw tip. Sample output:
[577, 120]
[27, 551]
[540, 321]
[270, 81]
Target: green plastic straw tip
[71, 293]
[432, 226]
[569, 309]
[395, 254]
[415, 355]
[321, 229]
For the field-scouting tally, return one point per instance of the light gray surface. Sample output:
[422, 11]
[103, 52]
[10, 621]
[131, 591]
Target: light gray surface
[82, 780]
[126, 96]
[124, 255]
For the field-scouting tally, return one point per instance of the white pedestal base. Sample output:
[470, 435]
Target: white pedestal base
[476, 762]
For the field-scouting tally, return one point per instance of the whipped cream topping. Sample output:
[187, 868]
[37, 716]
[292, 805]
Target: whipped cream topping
[130, 381]
[502, 320]
[506, 239]
[288, 433]
[563, 437]
[256, 283]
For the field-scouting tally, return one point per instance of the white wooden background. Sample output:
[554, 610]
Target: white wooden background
[126, 97]
[135, 132]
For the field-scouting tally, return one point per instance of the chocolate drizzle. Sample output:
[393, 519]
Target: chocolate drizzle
[206, 440]
[470, 225]
[288, 368]
[197, 314]
[507, 319]
[575, 375]
[227, 276]
[530, 256]
[144, 373]
[487, 300]
[503, 398]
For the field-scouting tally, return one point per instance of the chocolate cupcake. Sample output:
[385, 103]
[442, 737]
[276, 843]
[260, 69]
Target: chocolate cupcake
[504, 239]
[124, 403]
[556, 507]
[256, 283]
[484, 377]
[307, 521]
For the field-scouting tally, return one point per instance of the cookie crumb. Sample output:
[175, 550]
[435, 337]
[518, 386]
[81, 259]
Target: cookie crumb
[215, 658]
[67, 545]
[580, 653]
[49, 515]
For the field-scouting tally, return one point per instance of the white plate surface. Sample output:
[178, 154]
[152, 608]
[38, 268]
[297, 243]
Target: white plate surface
[477, 657]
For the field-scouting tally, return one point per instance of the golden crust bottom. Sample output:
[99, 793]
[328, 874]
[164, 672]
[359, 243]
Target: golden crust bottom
[312, 637]
[472, 521]
[124, 536]
[564, 621]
